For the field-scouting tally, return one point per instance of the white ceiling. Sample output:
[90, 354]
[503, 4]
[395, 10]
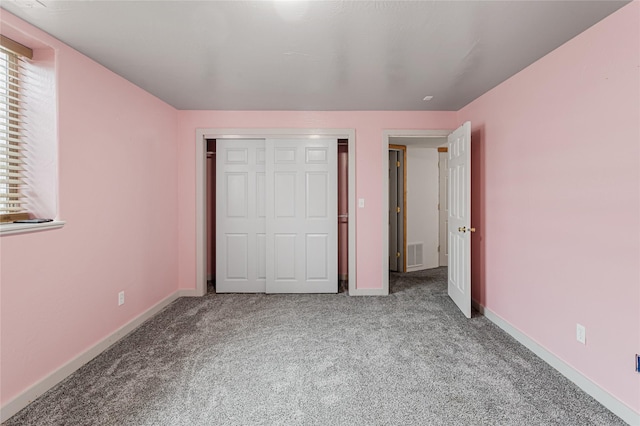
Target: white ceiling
[314, 55]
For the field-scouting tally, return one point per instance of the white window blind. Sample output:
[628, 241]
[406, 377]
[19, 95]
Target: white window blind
[12, 149]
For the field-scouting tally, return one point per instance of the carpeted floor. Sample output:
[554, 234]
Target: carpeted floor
[407, 359]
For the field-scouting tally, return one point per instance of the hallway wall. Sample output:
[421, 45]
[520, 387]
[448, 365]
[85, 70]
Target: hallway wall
[422, 203]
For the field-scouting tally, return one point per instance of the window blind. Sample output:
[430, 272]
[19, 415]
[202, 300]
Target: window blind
[12, 149]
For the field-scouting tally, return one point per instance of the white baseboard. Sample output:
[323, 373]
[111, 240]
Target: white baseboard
[188, 293]
[368, 292]
[613, 404]
[34, 391]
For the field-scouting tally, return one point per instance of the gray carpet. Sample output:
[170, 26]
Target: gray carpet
[407, 359]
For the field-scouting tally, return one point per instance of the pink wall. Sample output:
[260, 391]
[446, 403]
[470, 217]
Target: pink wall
[556, 176]
[368, 125]
[118, 194]
[557, 201]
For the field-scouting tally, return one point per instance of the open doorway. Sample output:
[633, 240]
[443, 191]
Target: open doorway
[205, 187]
[424, 202]
[457, 203]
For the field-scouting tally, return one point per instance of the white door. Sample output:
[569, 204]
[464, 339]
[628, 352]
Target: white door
[302, 222]
[459, 227]
[240, 216]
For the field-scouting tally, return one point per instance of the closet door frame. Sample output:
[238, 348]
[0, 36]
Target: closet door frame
[201, 190]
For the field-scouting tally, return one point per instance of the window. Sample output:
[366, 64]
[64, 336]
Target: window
[28, 135]
[12, 144]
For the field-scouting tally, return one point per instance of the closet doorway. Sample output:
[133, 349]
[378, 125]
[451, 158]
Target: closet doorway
[276, 215]
[343, 253]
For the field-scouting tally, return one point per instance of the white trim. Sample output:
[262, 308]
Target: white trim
[201, 189]
[31, 393]
[23, 228]
[386, 135]
[188, 293]
[369, 292]
[609, 401]
[353, 212]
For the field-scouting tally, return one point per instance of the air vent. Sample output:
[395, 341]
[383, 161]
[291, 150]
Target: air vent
[414, 255]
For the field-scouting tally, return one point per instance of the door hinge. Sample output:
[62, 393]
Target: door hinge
[397, 209]
[438, 249]
[398, 254]
[397, 164]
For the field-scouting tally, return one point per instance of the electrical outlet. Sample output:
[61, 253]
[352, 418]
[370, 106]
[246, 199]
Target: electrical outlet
[361, 203]
[581, 334]
[121, 298]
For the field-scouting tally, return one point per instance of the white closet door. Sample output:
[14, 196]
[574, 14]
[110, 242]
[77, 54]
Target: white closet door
[302, 222]
[240, 216]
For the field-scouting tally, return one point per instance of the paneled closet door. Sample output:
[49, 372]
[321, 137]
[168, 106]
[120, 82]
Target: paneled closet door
[240, 216]
[301, 224]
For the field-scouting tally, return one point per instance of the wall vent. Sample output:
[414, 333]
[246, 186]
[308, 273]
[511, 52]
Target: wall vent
[414, 255]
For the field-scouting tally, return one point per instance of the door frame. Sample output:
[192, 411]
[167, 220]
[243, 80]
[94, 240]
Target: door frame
[386, 136]
[403, 150]
[202, 134]
[443, 188]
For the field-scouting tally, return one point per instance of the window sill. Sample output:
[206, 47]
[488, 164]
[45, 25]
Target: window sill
[23, 228]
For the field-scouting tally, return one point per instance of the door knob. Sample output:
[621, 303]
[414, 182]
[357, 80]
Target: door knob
[465, 229]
